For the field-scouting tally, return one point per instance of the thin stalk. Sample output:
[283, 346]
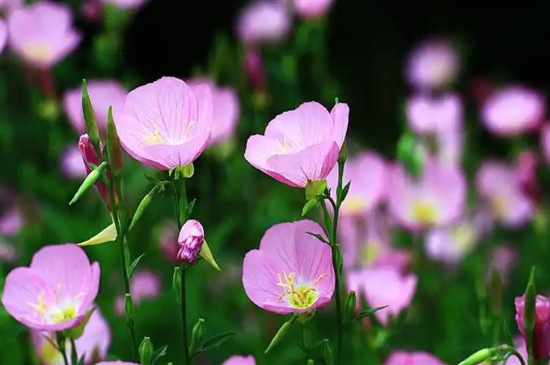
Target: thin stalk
[123, 264]
[61, 348]
[331, 227]
[180, 205]
[74, 355]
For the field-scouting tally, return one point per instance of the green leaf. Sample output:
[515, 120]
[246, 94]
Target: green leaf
[114, 150]
[108, 234]
[143, 204]
[134, 264]
[89, 181]
[206, 254]
[368, 312]
[318, 236]
[89, 116]
[216, 340]
[160, 352]
[309, 206]
[281, 333]
[345, 191]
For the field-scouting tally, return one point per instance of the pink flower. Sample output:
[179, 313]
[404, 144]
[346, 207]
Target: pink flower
[55, 292]
[71, 163]
[93, 344]
[368, 176]
[103, 94]
[42, 33]
[434, 115]
[513, 110]
[11, 221]
[292, 271]
[385, 286]
[311, 8]
[449, 147]
[300, 145]
[89, 156]
[436, 198]
[499, 185]
[452, 243]
[399, 357]
[432, 64]
[502, 259]
[225, 110]
[263, 21]
[126, 4]
[168, 240]
[166, 124]
[240, 360]
[190, 240]
[366, 242]
[545, 141]
[541, 333]
[144, 284]
[254, 68]
[527, 163]
[7, 252]
[10, 5]
[3, 35]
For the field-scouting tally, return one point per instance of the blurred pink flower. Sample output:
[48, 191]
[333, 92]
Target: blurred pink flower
[368, 176]
[89, 156]
[452, 243]
[7, 252]
[434, 115]
[93, 344]
[254, 68]
[240, 360]
[300, 145]
[541, 333]
[11, 222]
[42, 33]
[450, 145]
[384, 286]
[55, 292]
[399, 357]
[311, 8]
[263, 21]
[166, 124]
[168, 240]
[225, 110]
[292, 270]
[502, 259]
[499, 184]
[3, 35]
[126, 4]
[92, 10]
[366, 242]
[435, 198]
[144, 284]
[432, 64]
[545, 141]
[8, 6]
[513, 110]
[71, 163]
[527, 164]
[190, 240]
[103, 94]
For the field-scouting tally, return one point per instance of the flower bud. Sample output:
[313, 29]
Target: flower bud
[190, 240]
[146, 351]
[351, 305]
[197, 335]
[541, 330]
[90, 157]
[89, 117]
[176, 283]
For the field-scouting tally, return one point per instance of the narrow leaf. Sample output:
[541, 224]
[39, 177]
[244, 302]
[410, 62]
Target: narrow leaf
[368, 312]
[89, 117]
[89, 181]
[109, 234]
[318, 236]
[143, 204]
[134, 264]
[283, 330]
[206, 254]
[216, 340]
[160, 352]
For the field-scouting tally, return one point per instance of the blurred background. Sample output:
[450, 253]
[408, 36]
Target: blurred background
[359, 52]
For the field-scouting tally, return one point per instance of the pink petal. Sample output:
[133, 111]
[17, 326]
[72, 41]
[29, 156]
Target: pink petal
[312, 163]
[340, 116]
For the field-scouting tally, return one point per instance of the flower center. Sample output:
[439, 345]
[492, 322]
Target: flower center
[37, 51]
[60, 310]
[424, 212]
[463, 238]
[354, 204]
[299, 296]
[499, 206]
[154, 138]
[370, 253]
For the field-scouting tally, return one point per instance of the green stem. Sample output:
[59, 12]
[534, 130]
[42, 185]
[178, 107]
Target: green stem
[61, 348]
[513, 352]
[74, 355]
[123, 264]
[180, 206]
[331, 228]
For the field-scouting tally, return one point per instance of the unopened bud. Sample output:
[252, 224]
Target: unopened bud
[146, 351]
[190, 240]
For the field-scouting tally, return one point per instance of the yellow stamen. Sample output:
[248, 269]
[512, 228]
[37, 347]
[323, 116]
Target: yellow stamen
[299, 296]
[424, 212]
